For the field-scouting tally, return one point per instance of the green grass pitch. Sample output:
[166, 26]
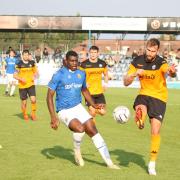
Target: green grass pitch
[32, 150]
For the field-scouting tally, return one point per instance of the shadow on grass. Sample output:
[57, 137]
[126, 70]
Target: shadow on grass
[125, 158]
[19, 115]
[60, 152]
[68, 154]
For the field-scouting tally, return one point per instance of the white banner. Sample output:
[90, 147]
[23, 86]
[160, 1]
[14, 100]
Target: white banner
[113, 23]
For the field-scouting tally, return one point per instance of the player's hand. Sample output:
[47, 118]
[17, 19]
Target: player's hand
[54, 123]
[22, 80]
[139, 72]
[172, 69]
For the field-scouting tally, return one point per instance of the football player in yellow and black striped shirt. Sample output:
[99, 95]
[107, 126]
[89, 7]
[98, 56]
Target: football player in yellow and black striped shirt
[26, 72]
[95, 68]
[151, 70]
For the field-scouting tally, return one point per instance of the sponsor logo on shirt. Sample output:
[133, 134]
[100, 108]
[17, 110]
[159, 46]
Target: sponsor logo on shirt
[79, 76]
[73, 85]
[154, 67]
[145, 76]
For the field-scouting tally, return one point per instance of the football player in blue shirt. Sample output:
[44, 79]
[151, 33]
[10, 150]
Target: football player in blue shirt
[68, 83]
[9, 64]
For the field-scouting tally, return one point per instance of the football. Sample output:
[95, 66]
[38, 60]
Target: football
[121, 114]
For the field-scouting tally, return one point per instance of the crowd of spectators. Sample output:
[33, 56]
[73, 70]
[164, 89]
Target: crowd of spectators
[117, 63]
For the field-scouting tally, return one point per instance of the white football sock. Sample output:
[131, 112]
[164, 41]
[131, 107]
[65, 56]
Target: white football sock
[77, 139]
[12, 90]
[152, 168]
[7, 87]
[102, 148]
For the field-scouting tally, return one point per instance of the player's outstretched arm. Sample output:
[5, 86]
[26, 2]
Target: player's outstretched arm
[50, 103]
[172, 70]
[129, 78]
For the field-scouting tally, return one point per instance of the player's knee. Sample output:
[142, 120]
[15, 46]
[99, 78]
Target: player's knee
[92, 112]
[80, 129]
[33, 101]
[102, 111]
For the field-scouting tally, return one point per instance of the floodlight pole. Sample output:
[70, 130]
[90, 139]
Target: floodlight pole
[89, 39]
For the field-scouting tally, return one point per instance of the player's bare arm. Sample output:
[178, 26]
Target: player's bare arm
[105, 85]
[89, 99]
[172, 70]
[50, 103]
[15, 75]
[129, 78]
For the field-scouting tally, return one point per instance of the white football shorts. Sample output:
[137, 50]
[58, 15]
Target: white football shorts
[76, 112]
[11, 79]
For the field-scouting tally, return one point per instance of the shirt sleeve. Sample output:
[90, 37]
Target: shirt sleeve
[84, 82]
[131, 70]
[53, 83]
[164, 68]
[105, 69]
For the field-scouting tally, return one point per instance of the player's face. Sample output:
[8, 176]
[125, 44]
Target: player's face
[151, 52]
[11, 54]
[72, 63]
[25, 56]
[93, 54]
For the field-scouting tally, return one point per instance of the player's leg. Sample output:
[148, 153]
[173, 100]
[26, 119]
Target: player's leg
[8, 84]
[156, 113]
[78, 133]
[99, 143]
[140, 107]
[140, 115]
[155, 144]
[32, 95]
[70, 119]
[13, 87]
[23, 97]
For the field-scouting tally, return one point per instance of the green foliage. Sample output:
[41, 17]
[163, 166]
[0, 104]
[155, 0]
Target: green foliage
[32, 150]
[40, 39]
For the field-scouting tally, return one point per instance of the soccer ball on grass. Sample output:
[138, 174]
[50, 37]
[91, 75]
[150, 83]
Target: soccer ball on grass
[121, 114]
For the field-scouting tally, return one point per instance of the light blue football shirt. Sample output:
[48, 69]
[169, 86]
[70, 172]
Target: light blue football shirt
[68, 85]
[10, 65]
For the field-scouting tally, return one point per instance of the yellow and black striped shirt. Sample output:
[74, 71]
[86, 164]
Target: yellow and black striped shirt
[153, 80]
[94, 73]
[27, 72]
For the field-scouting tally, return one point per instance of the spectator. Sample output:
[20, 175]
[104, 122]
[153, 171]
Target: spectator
[57, 56]
[37, 54]
[45, 55]
[178, 55]
[83, 55]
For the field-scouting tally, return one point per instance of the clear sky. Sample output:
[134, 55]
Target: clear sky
[138, 8]
[124, 8]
